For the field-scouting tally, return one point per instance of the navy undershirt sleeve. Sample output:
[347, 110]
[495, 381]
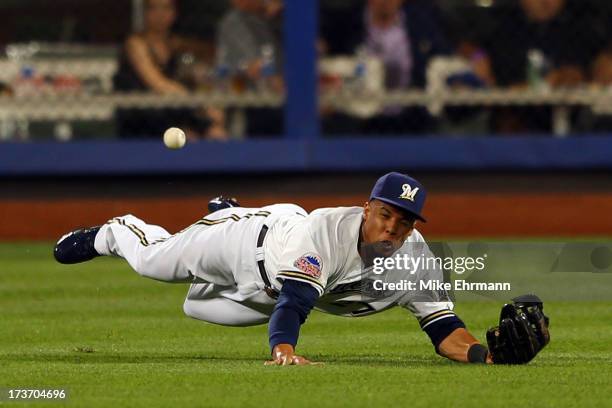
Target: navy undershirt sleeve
[295, 301]
[439, 330]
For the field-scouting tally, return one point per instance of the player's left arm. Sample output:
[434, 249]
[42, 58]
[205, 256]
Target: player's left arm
[461, 346]
[446, 330]
[452, 340]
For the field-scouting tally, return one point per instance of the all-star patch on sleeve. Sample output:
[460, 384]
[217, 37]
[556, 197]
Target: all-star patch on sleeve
[304, 259]
[309, 264]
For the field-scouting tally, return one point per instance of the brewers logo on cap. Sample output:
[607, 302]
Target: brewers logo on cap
[408, 193]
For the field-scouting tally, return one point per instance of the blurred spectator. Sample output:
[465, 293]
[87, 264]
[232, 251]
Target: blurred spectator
[404, 35]
[152, 60]
[566, 34]
[248, 44]
[599, 120]
[246, 33]
[540, 43]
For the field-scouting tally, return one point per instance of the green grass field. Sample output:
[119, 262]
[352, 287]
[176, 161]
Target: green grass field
[113, 338]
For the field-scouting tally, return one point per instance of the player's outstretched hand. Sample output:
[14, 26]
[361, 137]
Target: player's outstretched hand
[284, 354]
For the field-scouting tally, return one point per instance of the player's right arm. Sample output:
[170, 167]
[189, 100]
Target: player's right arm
[304, 267]
[295, 302]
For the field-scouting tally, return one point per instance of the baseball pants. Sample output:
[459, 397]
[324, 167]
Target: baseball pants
[217, 257]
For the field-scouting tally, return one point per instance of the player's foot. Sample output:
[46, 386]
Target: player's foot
[76, 246]
[219, 203]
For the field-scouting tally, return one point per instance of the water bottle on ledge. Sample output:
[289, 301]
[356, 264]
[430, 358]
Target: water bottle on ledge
[222, 71]
[268, 67]
[358, 82]
[240, 81]
[537, 68]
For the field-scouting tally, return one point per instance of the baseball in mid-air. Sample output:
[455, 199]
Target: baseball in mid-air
[174, 138]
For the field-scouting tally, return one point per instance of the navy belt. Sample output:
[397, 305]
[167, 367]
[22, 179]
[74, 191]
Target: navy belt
[270, 291]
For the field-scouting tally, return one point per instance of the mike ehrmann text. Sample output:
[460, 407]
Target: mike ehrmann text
[460, 285]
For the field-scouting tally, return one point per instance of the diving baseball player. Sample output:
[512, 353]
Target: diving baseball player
[274, 264]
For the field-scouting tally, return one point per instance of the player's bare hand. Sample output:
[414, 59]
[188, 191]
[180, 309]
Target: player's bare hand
[284, 354]
[295, 360]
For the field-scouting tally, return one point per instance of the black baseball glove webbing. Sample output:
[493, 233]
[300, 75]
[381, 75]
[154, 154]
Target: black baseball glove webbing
[522, 331]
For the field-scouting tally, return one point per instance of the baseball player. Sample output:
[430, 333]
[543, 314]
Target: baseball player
[274, 264]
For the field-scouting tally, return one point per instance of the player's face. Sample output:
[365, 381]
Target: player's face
[385, 225]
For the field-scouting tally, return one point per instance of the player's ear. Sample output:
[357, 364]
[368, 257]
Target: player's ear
[366, 210]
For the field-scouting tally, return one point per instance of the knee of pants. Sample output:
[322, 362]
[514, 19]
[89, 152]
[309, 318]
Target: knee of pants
[224, 312]
[165, 275]
[160, 268]
[187, 309]
[153, 273]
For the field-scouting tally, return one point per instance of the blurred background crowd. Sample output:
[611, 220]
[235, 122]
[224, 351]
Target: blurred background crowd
[131, 68]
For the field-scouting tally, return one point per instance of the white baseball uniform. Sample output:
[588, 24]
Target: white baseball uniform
[219, 255]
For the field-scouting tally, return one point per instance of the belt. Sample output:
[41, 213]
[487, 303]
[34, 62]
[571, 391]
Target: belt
[270, 291]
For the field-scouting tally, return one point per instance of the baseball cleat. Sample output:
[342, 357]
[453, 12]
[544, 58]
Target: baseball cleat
[219, 203]
[76, 246]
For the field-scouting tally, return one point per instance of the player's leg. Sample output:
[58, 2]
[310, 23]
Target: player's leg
[78, 245]
[207, 249]
[223, 311]
[206, 302]
[149, 249]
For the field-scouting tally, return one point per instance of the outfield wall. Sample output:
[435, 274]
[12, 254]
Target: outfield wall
[424, 153]
[458, 205]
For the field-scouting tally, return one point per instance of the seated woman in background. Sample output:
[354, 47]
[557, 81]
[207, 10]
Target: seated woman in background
[151, 61]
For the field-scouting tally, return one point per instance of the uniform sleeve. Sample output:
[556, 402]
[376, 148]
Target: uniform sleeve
[441, 329]
[306, 258]
[295, 302]
[430, 307]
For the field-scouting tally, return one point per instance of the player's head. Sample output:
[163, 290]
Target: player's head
[394, 206]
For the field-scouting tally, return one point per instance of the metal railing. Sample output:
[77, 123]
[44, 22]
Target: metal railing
[102, 107]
